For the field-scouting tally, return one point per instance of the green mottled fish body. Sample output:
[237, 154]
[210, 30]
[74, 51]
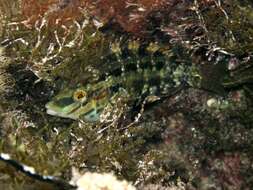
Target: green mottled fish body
[139, 73]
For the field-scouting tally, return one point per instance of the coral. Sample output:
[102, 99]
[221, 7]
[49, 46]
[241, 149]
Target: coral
[96, 181]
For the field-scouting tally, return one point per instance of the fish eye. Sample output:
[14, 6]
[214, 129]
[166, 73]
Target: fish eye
[80, 95]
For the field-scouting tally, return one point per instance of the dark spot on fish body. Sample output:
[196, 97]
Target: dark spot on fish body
[126, 53]
[138, 85]
[64, 101]
[158, 54]
[160, 62]
[154, 80]
[115, 88]
[116, 72]
[110, 58]
[145, 63]
[130, 66]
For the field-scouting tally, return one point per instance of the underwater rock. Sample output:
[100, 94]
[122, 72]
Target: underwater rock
[142, 18]
[54, 11]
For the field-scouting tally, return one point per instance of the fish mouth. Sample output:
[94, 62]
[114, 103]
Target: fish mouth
[54, 113]
[51, 112]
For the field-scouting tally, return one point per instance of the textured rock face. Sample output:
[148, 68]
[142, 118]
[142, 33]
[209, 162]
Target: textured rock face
[128, 14]
[56, 12]
[138, 17]
[198, 137]
[132, 16]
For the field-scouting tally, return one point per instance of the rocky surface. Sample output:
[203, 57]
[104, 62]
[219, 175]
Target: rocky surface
[195, 139]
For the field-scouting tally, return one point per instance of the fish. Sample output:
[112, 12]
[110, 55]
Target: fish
[136, 72]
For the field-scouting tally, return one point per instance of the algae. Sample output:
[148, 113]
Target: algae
[198, 138]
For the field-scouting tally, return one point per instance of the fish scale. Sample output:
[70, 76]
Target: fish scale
[139, 73]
